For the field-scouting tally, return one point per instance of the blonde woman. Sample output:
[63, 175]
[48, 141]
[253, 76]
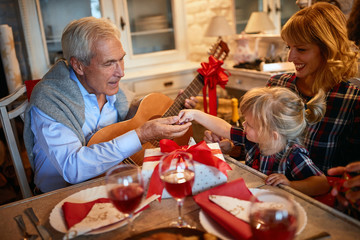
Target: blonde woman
[275, 119]
[325, 59]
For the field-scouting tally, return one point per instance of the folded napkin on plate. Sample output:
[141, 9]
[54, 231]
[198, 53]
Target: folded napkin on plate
[238, 208]
[75, 212]
[241, 208]
[100, 215]
[237, 189]
[82, 218]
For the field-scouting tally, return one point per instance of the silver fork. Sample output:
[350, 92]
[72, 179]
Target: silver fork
[20, 221]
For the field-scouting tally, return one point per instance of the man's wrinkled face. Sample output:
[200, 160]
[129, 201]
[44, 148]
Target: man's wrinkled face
[106, 68]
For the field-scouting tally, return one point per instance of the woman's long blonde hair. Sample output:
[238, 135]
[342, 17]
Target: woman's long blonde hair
[324, 24]
[283, 111]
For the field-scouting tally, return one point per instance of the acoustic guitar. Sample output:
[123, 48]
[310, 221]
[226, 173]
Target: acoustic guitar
[157, 105]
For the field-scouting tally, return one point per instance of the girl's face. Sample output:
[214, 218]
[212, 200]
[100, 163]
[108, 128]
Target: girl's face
[250, 128]
[307, 59]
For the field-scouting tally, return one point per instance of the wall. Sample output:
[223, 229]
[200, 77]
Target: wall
[198, 16]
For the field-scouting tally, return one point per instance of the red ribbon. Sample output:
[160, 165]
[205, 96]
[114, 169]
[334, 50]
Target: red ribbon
[201, 153]
[213, 75]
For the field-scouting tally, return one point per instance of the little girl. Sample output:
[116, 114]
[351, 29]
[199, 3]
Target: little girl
[275, 119]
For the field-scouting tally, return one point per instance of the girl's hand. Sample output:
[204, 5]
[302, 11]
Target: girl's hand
[186, 115]
[276, 179]
[211, 137]
[226, 145]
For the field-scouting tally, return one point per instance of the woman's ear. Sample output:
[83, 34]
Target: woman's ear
[77, 66]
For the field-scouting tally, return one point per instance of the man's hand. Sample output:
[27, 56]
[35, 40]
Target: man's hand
[161, 128]
[276, 179]
[189, 102]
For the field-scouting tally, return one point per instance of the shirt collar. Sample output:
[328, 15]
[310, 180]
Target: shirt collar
[84, 92]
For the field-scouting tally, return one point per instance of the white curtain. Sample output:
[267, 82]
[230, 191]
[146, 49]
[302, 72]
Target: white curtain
[8, 57]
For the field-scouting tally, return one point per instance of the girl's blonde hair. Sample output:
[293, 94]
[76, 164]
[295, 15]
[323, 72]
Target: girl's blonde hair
[324, 24]
[79, 36]
[283, 111]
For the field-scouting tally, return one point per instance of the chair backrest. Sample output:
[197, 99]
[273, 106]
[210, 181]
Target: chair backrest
[6, 114]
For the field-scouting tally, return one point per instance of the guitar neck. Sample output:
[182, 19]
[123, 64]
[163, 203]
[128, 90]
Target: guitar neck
[192, 90]
[219, 51]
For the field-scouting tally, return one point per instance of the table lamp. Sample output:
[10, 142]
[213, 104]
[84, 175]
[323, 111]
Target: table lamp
[259, 22]
[303, 3]
[219, 27]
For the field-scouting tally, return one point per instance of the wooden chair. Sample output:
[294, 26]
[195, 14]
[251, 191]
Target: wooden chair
[8, 113]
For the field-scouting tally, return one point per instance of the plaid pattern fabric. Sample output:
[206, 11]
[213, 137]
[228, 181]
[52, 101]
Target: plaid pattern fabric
[293, 161]
[335, 140]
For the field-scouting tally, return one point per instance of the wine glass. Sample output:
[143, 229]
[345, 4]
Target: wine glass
[273, 216]
[177, 173]
[125, 188]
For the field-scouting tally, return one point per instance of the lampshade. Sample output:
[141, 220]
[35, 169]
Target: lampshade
[218, 27]
[303, 3]
[259, 22]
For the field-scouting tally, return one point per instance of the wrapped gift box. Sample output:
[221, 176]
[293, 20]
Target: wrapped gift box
[205, 176]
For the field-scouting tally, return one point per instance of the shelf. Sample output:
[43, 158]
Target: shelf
[150, 32]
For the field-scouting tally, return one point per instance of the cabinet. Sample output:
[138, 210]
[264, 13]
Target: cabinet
[279, 12]
[151, 31]
[242, 80]
[167, 80]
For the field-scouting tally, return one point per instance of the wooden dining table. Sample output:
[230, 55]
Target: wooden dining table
[320, 218]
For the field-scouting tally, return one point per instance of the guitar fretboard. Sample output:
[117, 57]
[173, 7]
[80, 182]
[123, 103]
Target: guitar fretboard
[192, 90]
[220, 51]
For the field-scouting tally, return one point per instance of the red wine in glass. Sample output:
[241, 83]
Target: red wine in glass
[125, 188]
[126, 198]
[178, 184]
[273, 215]
[264, 225]
[177, 172]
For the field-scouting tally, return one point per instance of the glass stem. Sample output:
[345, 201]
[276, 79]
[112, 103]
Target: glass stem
[130, 224]
[180, 203]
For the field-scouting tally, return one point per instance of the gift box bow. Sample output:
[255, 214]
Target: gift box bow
[201, 153]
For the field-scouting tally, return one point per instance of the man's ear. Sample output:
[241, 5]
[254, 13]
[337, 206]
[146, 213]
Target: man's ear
[77, 66]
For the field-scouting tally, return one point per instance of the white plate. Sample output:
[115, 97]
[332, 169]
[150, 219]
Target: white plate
[213, 227]
[57, 220]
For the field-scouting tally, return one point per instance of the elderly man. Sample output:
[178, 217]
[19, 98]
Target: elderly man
[76, 98]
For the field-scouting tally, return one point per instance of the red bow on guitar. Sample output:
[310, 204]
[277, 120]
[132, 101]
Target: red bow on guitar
[213, 75]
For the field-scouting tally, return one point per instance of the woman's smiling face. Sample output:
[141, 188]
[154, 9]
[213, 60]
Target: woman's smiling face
[307, 59]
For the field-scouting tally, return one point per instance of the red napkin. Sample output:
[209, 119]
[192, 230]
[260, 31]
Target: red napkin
[237, 189]
[75, 212]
